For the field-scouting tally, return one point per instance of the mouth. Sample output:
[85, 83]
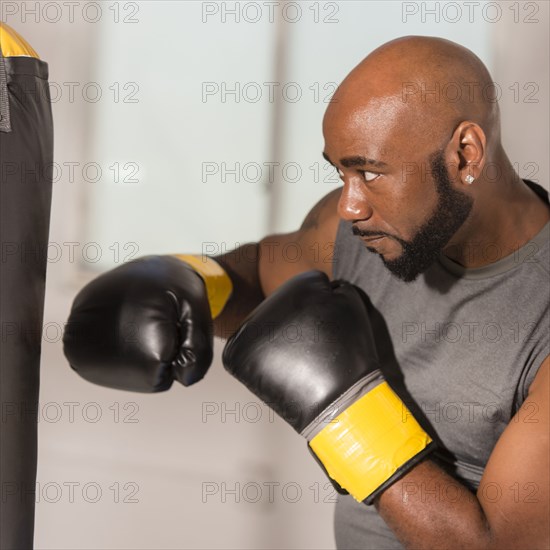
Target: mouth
[373, 240]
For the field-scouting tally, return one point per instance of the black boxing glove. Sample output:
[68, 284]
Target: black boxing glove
[147, 323]
[308, 352]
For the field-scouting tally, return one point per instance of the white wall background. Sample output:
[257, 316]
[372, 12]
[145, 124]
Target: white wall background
[175, 454]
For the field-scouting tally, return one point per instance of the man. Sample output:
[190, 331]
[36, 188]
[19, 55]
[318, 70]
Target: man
[455, 262]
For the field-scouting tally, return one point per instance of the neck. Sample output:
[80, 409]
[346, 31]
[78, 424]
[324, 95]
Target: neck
[506, 215]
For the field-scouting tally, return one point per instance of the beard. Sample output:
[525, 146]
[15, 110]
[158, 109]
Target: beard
[452, 210]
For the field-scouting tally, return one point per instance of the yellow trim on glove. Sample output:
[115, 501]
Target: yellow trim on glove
[367, 443]
[13, 44]
[218, 283]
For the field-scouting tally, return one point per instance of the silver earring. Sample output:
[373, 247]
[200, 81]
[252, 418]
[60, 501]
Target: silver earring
[469, 179]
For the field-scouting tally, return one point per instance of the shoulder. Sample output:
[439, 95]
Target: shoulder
[324, 215]
[519, 469]
[540, 387]
[285, 255]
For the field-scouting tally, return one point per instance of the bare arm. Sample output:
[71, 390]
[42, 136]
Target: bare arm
[429, 509]
[257, 269]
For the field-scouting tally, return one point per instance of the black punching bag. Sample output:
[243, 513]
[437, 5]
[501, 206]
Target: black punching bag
[26, 163]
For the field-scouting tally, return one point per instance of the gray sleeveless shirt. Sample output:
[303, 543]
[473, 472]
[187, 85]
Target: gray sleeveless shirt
[459, 346]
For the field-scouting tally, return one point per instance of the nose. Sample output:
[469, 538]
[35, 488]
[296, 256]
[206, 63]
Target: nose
[353, 203]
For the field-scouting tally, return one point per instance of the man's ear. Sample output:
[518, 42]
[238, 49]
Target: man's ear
[466, 153]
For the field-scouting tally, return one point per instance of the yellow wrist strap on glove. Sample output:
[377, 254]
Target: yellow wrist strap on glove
[364, 447]
[14, 45]
[218, 283]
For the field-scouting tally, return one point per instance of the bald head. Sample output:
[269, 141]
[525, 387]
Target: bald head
[424, 85]
[413, 132]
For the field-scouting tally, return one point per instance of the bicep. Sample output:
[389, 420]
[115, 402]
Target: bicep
[514, 490]
[285, 255]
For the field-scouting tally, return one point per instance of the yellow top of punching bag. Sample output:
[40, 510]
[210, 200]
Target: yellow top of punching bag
[14, 45]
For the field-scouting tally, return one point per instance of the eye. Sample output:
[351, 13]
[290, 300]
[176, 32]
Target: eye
[369, 176]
